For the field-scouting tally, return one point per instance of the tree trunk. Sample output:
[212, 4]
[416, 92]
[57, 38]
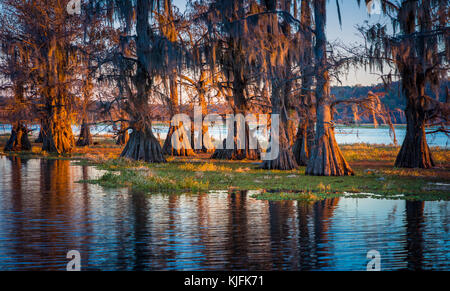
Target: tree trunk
[177, 142]
[58, 136]
[300, 148]
[85, 138]
[326, 158]
[19, 139]
[40, 138]
[178, 145]
[306, 132]
[304, 141]
[207, 145]
[143, 146]
[285, 160]
[415, 152]
[239, 105]
[238, 154]
[123, 136]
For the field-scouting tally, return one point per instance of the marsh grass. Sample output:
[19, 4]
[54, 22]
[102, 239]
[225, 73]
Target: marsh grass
[195, 177]
[373, 166]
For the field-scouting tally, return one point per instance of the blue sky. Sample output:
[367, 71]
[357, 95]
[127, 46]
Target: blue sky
[352, 15]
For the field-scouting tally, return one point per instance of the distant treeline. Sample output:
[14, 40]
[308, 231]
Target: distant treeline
[394, 98]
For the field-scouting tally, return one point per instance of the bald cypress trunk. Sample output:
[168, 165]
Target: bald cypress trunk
[285, 160]
[123, 136]
[177, 142]
[58, 135]
[240, 106]
[40, 138]
[306, 131]
[85, 137]
[326, 158]
[415, 152]
[18, 140]
[207, 145]
[302, 145]
[238, 152]
[142, 145]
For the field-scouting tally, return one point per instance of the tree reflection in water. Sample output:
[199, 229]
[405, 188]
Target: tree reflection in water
[44, 213]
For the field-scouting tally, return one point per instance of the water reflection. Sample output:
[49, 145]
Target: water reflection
[44, 213]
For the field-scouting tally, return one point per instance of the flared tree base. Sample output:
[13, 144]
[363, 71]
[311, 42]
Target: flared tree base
[85, 138]
[58, 138]
[122, 138]
[40, 138]
[18, 140]
[284, 162]
[414, 155]
[236, 154]
[177, 144]
[327, 159]
[122, 135]
[300, 151]
[207, 145]
[143, 147]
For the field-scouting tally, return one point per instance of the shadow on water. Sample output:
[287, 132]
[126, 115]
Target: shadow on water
[44, 213]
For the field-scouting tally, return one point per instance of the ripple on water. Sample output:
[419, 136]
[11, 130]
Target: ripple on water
[44, 213]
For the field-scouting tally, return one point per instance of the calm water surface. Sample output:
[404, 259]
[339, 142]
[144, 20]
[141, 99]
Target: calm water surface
[44, 213]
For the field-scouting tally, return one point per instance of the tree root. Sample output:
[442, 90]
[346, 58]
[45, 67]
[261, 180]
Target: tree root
[143, 147]
[327, 159]
[18, 140]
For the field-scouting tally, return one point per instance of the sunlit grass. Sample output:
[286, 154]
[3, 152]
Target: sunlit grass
[206, 167]
[373, 166]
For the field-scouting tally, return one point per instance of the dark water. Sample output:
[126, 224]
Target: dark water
[44, 214]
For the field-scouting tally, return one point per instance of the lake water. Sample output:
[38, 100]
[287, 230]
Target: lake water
[344, 135]
[44, 214]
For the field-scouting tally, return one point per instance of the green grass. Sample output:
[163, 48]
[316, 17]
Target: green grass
[373, 166]
[291, 185]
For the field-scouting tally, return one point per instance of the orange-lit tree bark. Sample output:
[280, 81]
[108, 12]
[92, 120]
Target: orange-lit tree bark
[123, 136]
[47, 34]
[201, 86]
[178, 145]
[326, 157]
[58, 137]
[85, 137]
[279, 36]
[177, 142]
[18, 141]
